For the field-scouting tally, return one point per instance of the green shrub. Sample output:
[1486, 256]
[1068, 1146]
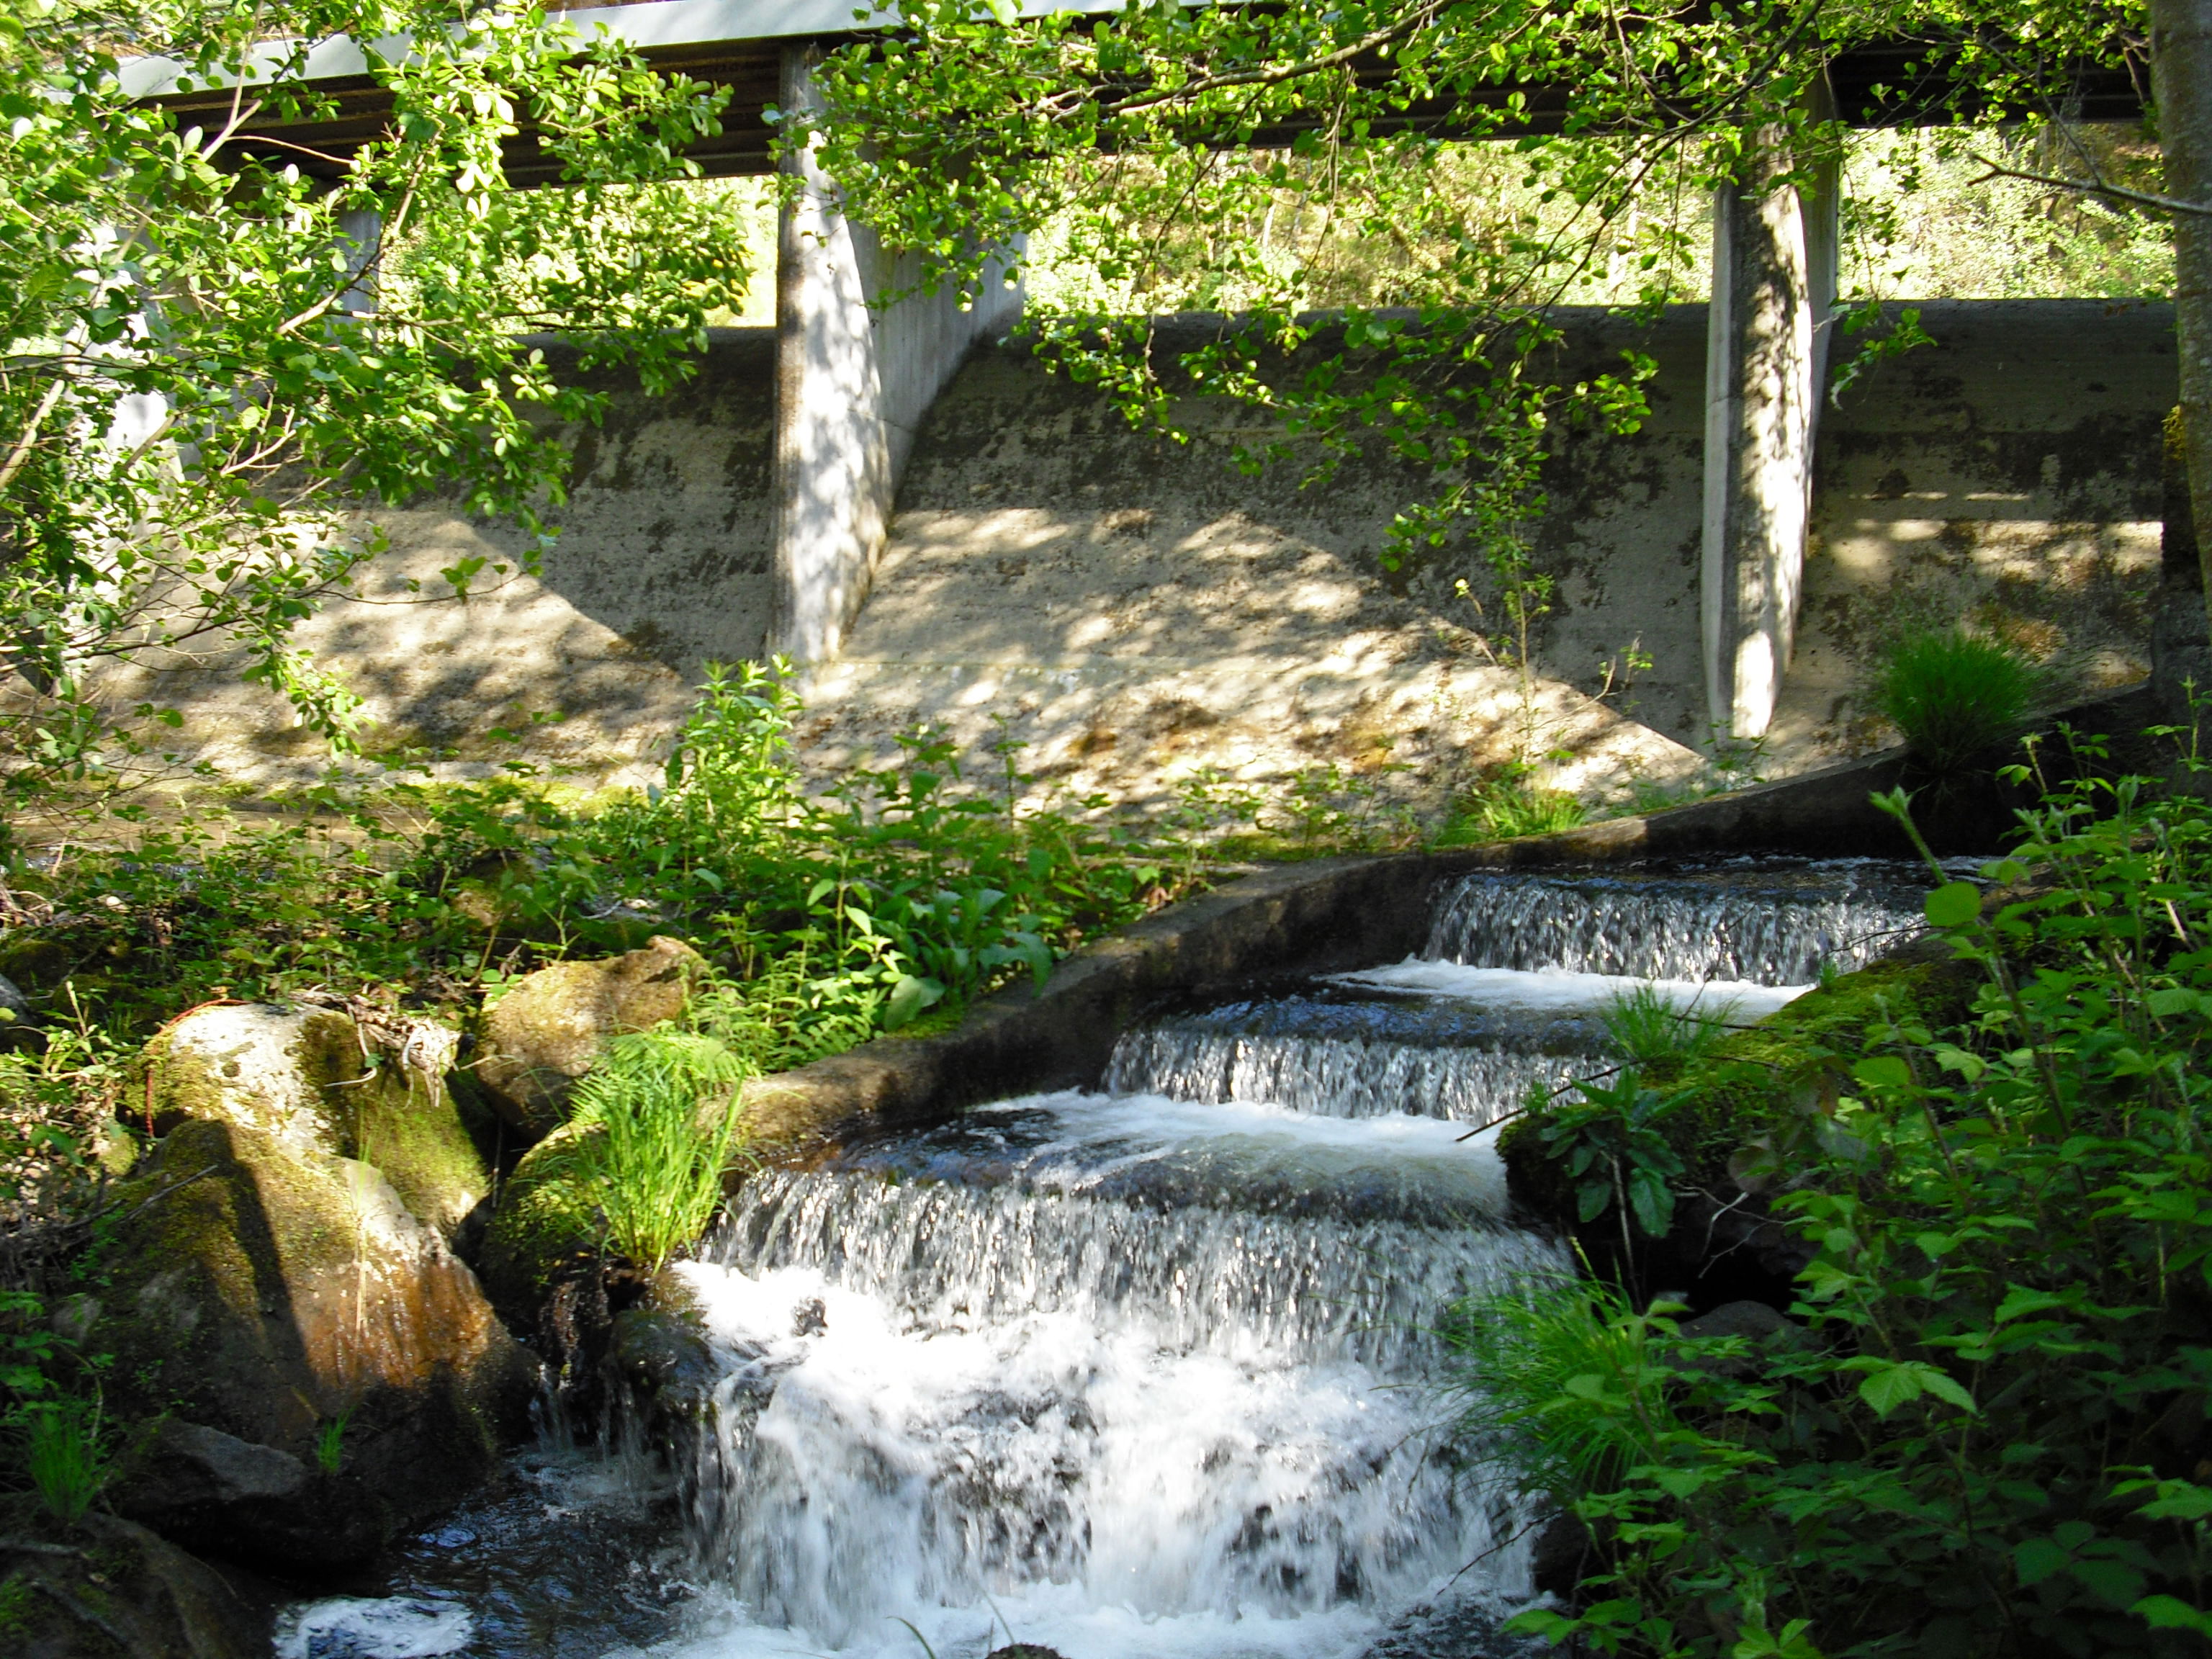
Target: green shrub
[1993, 1434]
[1954, 695]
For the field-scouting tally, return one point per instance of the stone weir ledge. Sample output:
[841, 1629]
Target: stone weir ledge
[1335, 914]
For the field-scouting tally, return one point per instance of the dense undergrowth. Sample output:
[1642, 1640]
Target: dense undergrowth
[1988, 1430]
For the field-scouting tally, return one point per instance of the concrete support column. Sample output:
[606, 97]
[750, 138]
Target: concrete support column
[1767, 346]
[856, 371]
[362, 232]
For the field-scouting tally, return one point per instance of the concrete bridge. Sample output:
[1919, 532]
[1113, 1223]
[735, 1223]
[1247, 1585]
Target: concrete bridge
[1692, 538]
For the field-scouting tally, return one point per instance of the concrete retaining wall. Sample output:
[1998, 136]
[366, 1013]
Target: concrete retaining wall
[1137, 609]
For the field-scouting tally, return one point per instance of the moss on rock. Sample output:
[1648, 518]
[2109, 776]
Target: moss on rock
[544, 1033]
[266, 1291]
[1750, 1080]
[311, 1079]
[547, 1226]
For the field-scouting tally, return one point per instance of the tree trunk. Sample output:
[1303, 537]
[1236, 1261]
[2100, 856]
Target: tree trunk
[2181, 82]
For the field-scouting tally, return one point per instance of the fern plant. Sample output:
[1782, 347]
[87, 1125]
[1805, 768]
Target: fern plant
[656, 1124]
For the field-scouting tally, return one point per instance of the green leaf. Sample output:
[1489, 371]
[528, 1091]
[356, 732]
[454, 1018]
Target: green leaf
[2170, 1613]
[1882, 1072]
[2038, 1558]
[908, 999]
[1953, 905]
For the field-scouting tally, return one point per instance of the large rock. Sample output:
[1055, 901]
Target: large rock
[287, 1299]
[315, 1080]
[544, 1033]
[106, 1589]
[250, 1501]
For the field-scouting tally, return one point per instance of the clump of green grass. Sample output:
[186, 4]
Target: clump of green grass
[659, 1113]
[66, 1457]
[1501, 807]
[1954, 695]
[1641, 1026]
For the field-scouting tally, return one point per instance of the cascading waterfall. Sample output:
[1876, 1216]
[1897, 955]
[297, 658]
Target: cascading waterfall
[1685, 927]
[1143, 1374]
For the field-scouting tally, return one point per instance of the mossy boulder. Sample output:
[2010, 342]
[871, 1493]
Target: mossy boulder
[1752, 1081]
[547, 1227]
[289, 1298]
[543, 1036]
[108, 1588]
[35, 959]
[315, 1080]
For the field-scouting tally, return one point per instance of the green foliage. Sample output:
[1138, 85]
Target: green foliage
[330, 1442]
[1954, 695]
[1992, 1436]
[1507, 805]
[65, 1455]
[657, 1126]
[1384, 293]
[201, 368]
[1643, 1024]
[1613, 1140]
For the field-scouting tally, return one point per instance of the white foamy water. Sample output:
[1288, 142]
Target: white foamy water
[372, 1627]
[1561, 989]
[1539, 1029]
[1126, 1377]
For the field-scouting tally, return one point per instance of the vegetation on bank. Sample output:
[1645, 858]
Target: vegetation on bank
[1989, 1429]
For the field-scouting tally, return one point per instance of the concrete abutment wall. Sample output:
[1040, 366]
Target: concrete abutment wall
[861, 353]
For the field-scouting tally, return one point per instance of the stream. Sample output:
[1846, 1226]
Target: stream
[1148, 1373]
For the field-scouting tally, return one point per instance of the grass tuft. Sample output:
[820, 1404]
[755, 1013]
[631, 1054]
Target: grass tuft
[1954, 695]
[1641, 1026]
[65, 1458]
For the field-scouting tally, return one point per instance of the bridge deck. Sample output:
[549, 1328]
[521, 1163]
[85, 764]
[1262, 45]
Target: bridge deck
[738, 44]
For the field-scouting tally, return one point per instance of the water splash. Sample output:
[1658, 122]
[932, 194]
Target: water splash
[1132, 1371]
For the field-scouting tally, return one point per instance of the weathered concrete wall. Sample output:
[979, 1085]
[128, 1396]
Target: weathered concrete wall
[1137, 607]
[661, 564]
[2009, 474]
[1135, 610]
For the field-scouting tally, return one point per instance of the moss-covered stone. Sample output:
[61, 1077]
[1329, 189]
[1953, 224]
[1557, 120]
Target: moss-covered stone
[546, 1226]
[1750, 1081]
[314, 1080]
[106, 1588]
[34, 959]
[267, 1292]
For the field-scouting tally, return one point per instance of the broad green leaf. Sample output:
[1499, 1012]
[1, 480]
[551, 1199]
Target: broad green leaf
[2171, 1613]
[1882, 1072]
[1953, 905]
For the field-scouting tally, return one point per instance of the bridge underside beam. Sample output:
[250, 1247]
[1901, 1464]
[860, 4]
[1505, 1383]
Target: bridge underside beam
[1875, 86]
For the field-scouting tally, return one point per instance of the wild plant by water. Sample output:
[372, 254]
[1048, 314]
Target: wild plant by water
[1643, 1024]
[1954, 695]
[65, 1456]
[656, 1125]
[1989, 1435]
[1507, 805]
